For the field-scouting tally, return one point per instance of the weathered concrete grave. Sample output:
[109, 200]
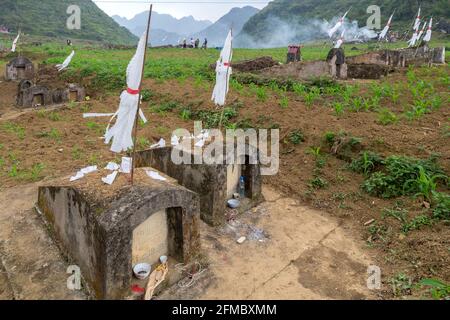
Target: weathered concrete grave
[30, 95]
[19, 68]
[215, 183]
[106, 230]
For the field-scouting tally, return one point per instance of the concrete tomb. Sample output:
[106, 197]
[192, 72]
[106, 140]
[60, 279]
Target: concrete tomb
[214, 183]
[19, 68]
[106, 230]
[30, 95]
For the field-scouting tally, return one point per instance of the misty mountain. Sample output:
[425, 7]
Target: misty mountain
[48, 18]
[160, 37]
[292, 21]
[217, 32]
[163, 22]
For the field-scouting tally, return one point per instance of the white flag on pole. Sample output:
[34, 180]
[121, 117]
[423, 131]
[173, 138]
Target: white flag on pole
[421, 32]
[66, 62]
[417, 22]
[14, 45]
[223, 72]
[413, 39]
[340, 40]
[121, 132]
[427, 37]
[386, 29]
[337, 25]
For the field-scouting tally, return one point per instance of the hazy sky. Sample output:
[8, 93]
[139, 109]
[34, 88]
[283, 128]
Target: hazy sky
[200, 9]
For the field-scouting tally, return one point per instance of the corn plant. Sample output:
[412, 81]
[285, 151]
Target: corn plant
[424, 184]
[315, 151]
[338, 108]
[386, 117]
[284, 102]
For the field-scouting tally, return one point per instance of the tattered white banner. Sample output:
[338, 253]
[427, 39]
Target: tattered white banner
[223, 72]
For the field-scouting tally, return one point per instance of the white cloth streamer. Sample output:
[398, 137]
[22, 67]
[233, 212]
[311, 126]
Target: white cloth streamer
[121, 132]
[66, 62]
[223, 72]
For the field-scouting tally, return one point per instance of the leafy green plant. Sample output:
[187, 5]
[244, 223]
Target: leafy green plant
[312, 96]
[424, 184]
[398, 170]
[143, 143]
[146, 95]
[397, 213]
[284, 102]
[166, 106]
[14, 129]
[299, 89]
[296, 137]
[36, 171]
[401, 284]
[338, 108]
[329, 138]
[439, 290]
[315, 151]
[416, 223]
[54, 116]
[186, 114]
[95, 127]
[386, 117]
[441, 206]
[261, 94]
[357, 104]
[367, 163]
[318, 183]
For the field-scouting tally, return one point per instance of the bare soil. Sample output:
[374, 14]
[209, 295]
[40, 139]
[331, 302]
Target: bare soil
[422, 253]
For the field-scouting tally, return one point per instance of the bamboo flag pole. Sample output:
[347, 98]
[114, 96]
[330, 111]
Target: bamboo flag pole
[136, 122]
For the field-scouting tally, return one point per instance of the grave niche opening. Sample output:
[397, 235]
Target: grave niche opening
[73, 96]
[157, 236]
[38, 100]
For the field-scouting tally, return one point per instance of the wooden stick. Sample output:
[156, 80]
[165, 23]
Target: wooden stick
[136, 122]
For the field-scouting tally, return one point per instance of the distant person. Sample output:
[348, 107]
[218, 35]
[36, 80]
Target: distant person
[192, 44]
[205, 44]
[197, 43]
[69, 42]
[184, 43]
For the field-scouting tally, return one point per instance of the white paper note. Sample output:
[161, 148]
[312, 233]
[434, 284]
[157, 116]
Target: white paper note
[110, 178]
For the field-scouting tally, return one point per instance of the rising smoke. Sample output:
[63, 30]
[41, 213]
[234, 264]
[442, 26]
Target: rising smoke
[283, 33]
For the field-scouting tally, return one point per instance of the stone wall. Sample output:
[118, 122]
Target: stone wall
[401, 58]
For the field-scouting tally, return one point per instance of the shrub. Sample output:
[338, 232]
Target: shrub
[296, 137]
[397, 172]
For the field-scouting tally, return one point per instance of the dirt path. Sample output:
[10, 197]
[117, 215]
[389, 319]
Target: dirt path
[30, 264]
[305, 255]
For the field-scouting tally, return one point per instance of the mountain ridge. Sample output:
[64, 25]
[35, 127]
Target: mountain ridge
[293, 16]
[235, 18]
[49, 17]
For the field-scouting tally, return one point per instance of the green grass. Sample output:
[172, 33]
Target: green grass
[15, 129]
